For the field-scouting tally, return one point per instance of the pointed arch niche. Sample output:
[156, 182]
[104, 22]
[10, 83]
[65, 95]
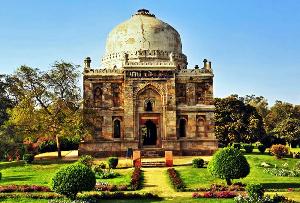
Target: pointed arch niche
[201, 130]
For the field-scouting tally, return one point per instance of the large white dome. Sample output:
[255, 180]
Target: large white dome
[143, 32]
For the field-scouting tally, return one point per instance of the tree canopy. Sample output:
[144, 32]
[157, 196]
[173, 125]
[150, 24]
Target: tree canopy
[236, 121]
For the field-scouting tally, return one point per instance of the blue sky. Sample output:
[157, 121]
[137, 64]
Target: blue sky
[254, 45]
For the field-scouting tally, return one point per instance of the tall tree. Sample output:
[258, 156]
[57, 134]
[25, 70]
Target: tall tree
[52, 98]
[260, 103]
[289, 129]
[237, 122]
[279, 112]
[5, 101]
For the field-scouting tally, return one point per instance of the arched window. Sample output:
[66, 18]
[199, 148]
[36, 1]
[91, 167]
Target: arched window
[149, 106]
[201, 127]
[117, 128]
[182, 127]
[97, 96]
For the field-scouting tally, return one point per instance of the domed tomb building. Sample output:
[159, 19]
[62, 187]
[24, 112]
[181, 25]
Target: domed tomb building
[144, 97]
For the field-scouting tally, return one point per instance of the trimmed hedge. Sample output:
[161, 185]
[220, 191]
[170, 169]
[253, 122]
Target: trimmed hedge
[72, 179]
[136, 179]
[28, 158]
[248, 148]
[23, 188]
[176, 181]
[262, 148]
[112, 162]
[229, 163]
[198, 163]
[255, 190]
[46, 144]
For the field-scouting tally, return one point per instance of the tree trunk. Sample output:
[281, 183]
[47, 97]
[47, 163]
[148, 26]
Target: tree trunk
[228, 180]
[58, 147]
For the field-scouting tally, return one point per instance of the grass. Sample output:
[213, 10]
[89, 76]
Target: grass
[123, 179]
[23, 200]
[38, 173]
[198, 178]
[156, 180]
[173, 200]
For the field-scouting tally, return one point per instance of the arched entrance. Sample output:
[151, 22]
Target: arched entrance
[150, 134]
[148, 117]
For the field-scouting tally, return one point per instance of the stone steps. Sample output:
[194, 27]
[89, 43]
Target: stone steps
[153, 164]
[152, 153]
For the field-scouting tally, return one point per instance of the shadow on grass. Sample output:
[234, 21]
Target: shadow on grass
[7, 179]
[48, 162]
[280, 185]
[11, 164]
[6, 165]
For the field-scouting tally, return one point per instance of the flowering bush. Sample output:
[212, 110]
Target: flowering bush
[136, 179]
[24, 188]
[106, 174]
[110, 188]
[282, 172]
[265, 199]
[222, 194]
[176, 180]
[279, 150]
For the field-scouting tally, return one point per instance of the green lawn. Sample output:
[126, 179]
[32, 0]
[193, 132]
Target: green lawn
[169, 200]
[156, 180]
[196, 178]
[123, 179]
[38, 173]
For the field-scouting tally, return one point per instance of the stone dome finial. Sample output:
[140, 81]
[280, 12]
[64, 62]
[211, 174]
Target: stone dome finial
[144, 12]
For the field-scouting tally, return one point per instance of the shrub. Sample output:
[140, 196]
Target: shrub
[236, 145]
[297, 165]
[87, 160]
[255, 190]
[136, 179]
[198, 163]
[229, 163]
[28, 158]
[176, 180]
[69, 143]
[262, 148]
[23, 188]
[46, 144]
[72, 179]
[222, 194]
[279, 150]
[296, 155]
[242, 199]
[248, 148]
[112, 162]
[100, 167]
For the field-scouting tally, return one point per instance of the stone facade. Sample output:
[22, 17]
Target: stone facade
[144, 96]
